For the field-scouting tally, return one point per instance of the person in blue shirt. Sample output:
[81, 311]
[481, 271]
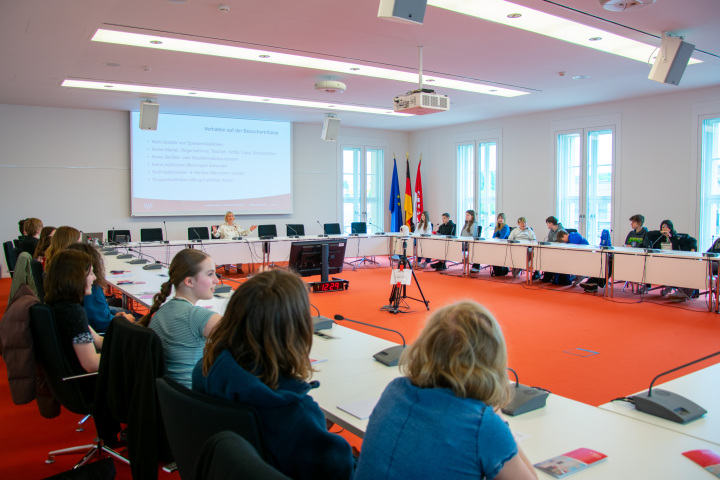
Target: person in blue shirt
[502, 230]
[573, 238]
[439, 420]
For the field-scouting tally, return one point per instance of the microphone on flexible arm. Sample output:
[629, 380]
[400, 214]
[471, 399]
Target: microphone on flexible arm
[222, 288]
[391, 355]
[323, 229]
[294, 232]
[197, 236]
[668, 405]
[380, 232]
[150, 266]
[320, 322]
[140, 259]
[167, 240]
[652, 248]
[525, 399]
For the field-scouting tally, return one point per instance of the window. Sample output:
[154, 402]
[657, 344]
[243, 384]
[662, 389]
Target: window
[584, 180]
[477, 180]
[710, 182]
[362, 186]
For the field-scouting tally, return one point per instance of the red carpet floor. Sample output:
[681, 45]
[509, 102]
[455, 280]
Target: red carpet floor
[576, 345]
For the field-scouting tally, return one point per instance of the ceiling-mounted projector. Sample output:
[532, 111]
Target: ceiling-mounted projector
[421, 102]
[330, 86]
[623, 5]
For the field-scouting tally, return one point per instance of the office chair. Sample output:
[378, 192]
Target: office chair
[295, 229]
[151, 235]
[10, 256]
[115, 233]
[360, 228]
[331, 229]
[228, 455]
[74, 391]
[191, 418]
[198, 233]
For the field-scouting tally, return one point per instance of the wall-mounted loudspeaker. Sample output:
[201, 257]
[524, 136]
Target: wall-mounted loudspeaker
[149, 115]
[331, 126]
[671, 60]
[405, 11]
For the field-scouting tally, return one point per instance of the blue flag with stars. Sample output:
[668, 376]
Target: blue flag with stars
[395, 207]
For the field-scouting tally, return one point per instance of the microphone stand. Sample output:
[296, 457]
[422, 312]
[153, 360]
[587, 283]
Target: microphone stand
[391, 355]
[381, 231]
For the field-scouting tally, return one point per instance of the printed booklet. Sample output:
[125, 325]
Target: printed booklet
[571, 462]
[707, 459]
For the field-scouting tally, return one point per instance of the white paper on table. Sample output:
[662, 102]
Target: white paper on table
[404, 277]
[360, 408]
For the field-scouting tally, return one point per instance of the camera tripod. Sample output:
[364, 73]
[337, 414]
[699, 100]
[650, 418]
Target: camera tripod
[398, 295]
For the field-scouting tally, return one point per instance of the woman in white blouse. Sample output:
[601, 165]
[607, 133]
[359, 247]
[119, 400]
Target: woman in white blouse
[229, 229]
[424, 227]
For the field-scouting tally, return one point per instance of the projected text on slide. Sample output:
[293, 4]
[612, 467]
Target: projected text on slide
[207, 166]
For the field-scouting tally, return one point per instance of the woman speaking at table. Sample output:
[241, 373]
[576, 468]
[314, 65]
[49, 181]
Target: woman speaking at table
[229, 229]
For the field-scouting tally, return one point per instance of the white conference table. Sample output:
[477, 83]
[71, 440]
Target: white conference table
[703, 388]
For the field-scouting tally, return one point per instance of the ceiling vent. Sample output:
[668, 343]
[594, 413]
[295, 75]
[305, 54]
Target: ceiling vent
[330, 86]
[624, 5]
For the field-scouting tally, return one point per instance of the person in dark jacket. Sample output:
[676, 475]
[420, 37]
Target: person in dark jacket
[447, 227]
[259, 355]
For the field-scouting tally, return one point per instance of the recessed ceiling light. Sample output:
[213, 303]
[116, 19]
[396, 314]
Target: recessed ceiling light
[514, 15]
[499, 11]
[155, 90]
[241, 53]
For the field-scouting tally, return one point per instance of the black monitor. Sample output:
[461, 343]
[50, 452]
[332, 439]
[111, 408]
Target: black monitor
[308, 258]
[267, 231]
[358, 227]
[295, 229]
[331, 229]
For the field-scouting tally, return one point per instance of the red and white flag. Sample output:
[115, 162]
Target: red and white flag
[418, 193]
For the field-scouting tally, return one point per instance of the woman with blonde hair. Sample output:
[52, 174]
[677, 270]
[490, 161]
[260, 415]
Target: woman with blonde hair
[440, 420]
[259, 355]
[230, 230]
[61, 239]
[182, 325]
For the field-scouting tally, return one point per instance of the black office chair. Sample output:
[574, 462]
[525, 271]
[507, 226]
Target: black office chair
[267, 231]
[191, 418]
[228, 455]
[10, 256]
[332, 229]
[198, 233]
[571, 230]
[74, 391]
[295, 229]
[151, 235]
[113, 234]
[358, 227]
[37, 272]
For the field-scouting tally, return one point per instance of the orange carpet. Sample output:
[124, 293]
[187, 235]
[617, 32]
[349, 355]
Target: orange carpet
[551, 332]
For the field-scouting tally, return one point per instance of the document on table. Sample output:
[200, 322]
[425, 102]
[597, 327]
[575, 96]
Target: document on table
[360, 408]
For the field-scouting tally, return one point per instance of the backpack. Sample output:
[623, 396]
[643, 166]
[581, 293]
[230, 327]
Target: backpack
[605, 240]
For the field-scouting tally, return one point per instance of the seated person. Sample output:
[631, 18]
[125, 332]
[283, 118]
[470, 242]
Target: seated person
[29, 243]
[553, 227]
[670, 240]
[230, 230]
[439, 420]
[447, 228]
[470, 229]
[424, 227]
[182, 325]
[259, 355]
[68, 280]
[522, 232]
[573, 238]
[99, 313]
[61, 239]
[502, 230]
[46, 235]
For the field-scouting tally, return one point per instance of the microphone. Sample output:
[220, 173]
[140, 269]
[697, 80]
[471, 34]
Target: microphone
[390, 356]
[525, 399]
[320, 322]
[222, 288]
[197, 236]
[167, 240]
[668, 405]
[294, 232]
[652, 248]
[323, 229]
[380, 232]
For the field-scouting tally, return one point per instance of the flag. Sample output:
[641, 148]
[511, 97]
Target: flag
[408, 196]
[418, 194]
[395, 207]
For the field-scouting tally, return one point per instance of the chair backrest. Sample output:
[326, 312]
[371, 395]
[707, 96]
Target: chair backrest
[10, 257]
[571, 230]
[265, 231]
[114, 233]
[151, 235]
[358, 227]
[687, 243]
[198, 233]
[295, 229]
[228, 455]
[191, 418]
[75, 395]
[331, 229]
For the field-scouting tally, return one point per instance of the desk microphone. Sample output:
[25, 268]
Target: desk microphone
[525, 399]
[652, 248]
[390, 356]
[380, 230]
[323, 229]
[222, 288]
[167, 240]
[668, 405]
[294, 232]
[320, 322]
[197, 236]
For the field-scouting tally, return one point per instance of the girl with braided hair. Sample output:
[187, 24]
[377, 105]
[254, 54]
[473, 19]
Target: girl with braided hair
[182, 325]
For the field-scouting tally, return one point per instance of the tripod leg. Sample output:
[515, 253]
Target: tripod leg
[421, 292]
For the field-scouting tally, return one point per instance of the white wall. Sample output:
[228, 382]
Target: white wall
[72, 167]
[657, 159]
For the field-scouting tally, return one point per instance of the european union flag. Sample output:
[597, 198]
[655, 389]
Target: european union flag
[395, 206]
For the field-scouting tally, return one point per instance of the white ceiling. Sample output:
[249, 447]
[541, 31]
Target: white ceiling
[44, 42]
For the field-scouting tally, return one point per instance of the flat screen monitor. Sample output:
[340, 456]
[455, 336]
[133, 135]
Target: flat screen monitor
[306, 258]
